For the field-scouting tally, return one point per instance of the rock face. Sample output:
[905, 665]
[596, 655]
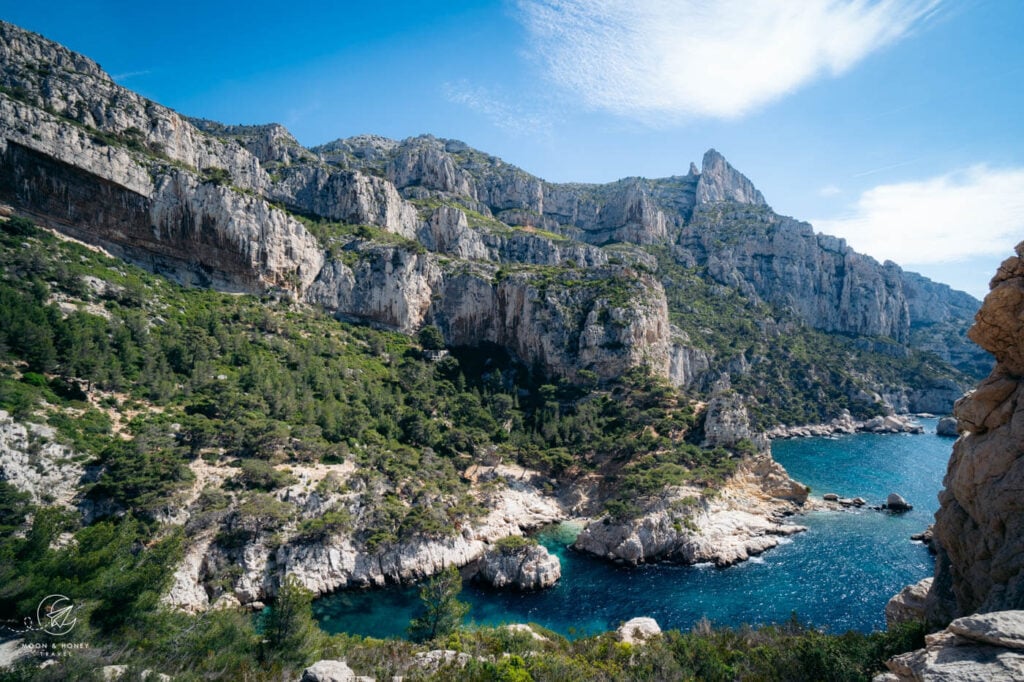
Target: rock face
[525, 568]
[33, 463]
[987, 648]
[939, 319]
[909, 605]
[778, 259]
[979, 528]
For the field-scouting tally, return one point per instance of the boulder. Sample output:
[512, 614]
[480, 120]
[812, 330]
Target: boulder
[985, 647]
[1002, 628]
[895, 502]
[331, 671]
[638, 630]
[947, 427]
[830, 497]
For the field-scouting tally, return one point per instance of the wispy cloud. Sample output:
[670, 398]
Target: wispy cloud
[829, 191]
[511, 118]
[971, 212]
[652, 59]
[119, 77]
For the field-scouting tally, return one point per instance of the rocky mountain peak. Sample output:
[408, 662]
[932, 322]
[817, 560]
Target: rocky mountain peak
[719, 181]
[20, 46]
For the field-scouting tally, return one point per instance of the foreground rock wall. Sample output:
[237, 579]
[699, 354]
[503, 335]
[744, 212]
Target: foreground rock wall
[979, 527]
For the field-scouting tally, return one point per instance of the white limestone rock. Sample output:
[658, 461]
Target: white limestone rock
[638, 630]
[982, 648]
[530, 567]
[34, 462]
[909, 605]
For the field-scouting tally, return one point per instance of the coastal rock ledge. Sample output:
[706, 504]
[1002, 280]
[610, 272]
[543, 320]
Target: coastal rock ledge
[743, 519]
[985, 647]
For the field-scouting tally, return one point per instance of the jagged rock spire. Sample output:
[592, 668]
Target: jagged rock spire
[719, 181]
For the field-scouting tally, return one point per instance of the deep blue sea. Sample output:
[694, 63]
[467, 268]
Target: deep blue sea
[838, 575]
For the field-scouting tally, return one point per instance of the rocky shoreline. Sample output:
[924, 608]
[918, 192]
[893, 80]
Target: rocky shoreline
[845, 424]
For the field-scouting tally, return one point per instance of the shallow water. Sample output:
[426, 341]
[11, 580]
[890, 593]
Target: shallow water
[839, 574]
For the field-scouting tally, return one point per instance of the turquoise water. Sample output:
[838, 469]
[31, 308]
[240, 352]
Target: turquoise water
[838, 575]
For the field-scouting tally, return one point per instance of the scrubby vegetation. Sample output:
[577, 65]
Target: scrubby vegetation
[143, 379]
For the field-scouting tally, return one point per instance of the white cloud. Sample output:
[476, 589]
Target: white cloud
[652, 59]
[118, 77]
[973, 212]
[510, 118]
[829, 191]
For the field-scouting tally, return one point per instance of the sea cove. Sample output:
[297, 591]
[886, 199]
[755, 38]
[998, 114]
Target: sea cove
[839, 574]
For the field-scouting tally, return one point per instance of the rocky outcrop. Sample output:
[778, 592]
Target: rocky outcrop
[727, 424]
[979, 528]
[895, 502]
[720, 182]
[988, 648]
[638, 630]
[389, 286]
[345, 196]
[34, 462]
[741, 520]
[529, 567]
[603, 320]
[909, 605]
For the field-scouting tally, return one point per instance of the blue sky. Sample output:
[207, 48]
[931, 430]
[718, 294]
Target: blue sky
[895, 124]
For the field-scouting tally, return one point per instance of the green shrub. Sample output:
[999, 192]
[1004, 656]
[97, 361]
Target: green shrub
[19, 226]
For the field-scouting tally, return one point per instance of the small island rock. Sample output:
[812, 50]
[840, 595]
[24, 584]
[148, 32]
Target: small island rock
[895, 502]
[525, 567]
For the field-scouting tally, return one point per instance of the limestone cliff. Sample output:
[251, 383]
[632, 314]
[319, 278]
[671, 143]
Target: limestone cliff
[565, 276]
[979, 528]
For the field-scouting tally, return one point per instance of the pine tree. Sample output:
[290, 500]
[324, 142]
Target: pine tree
[289, 632]
[442, 612]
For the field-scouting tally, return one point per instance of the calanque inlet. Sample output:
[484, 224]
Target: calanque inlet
[237, 374]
